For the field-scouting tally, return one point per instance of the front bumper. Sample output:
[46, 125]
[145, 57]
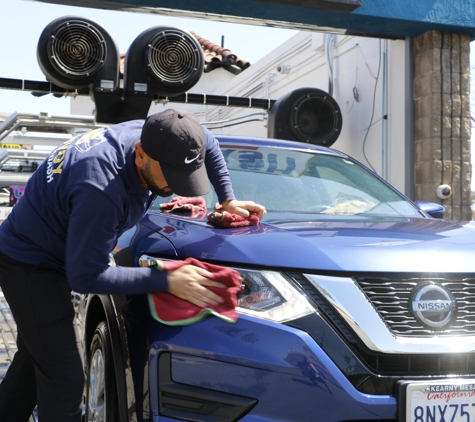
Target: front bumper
[279, 367]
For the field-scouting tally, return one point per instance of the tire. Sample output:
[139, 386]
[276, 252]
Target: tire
[101, 391]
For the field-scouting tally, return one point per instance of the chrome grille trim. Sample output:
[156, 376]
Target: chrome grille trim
[398, 316]
[353, 306]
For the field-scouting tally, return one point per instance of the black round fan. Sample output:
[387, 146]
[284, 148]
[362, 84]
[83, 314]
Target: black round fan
[72, 51]
[306, 115]
[173, 57]
[163, 60]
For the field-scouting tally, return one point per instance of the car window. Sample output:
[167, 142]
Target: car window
[293, 181]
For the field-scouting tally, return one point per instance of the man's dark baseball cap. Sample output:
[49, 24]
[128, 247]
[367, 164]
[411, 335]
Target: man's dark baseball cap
[177, 141]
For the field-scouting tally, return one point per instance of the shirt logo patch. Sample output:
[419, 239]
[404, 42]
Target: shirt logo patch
[89, 140]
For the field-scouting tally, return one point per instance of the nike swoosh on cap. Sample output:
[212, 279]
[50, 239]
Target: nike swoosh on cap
[187, 161]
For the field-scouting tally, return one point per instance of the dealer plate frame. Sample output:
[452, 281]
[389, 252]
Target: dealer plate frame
[464, 386]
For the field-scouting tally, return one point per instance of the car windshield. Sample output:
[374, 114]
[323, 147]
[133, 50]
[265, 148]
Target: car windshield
[295, 181]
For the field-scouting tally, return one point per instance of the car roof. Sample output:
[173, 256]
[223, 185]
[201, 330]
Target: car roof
[250, 141]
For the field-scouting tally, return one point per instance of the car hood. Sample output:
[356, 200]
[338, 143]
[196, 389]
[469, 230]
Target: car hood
[396, 245]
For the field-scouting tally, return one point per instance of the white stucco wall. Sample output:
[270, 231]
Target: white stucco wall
[358, 71]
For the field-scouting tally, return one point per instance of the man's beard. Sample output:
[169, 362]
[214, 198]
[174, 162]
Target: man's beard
[151, 185]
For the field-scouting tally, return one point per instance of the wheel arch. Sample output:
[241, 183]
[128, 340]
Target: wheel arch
[101, 308]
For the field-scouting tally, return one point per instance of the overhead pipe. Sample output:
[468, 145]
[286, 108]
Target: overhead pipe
[42, 88]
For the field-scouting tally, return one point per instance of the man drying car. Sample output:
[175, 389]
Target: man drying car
[58, 238]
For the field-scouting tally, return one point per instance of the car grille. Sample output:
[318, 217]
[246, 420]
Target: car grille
[419, 365]
[391, 298]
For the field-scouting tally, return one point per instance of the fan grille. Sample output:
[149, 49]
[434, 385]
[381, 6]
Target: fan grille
[316, 120]
[173, 56]
[77, 49]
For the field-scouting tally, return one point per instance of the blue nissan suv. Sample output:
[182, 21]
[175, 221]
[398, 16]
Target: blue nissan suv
[356, 305]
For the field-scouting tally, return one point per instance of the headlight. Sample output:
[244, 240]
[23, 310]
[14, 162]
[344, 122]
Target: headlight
[270, 295]
[265, 294]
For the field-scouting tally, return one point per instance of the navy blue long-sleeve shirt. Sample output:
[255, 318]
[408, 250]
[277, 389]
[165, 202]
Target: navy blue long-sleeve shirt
[81, 199]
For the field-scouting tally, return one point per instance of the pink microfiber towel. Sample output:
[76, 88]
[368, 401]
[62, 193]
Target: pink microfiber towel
[222, 218]
[182, 204]
[171, 310]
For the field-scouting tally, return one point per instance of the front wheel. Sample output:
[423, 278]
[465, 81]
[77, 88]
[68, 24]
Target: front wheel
[101, 395]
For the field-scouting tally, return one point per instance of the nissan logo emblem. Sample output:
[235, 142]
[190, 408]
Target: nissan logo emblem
[433, 305]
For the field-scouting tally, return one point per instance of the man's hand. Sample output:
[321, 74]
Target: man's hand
[188, 282]
[243, 208]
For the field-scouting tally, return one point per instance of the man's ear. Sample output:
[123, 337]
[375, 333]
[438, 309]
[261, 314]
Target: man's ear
[140, 156]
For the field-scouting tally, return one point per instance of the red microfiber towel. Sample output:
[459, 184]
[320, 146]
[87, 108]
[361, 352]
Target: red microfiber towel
[222, 218]
[171, 310]
[182, 204]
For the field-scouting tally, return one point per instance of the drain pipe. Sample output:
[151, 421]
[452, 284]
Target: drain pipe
[409, 118]
[385, 125]
[329, 42]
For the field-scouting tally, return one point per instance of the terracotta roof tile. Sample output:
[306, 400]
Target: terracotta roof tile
[122, 64]
[217, 56]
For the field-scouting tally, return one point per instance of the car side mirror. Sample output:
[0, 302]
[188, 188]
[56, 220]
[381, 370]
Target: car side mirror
[431, 208]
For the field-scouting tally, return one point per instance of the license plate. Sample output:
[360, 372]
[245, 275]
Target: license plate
[440, 401]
